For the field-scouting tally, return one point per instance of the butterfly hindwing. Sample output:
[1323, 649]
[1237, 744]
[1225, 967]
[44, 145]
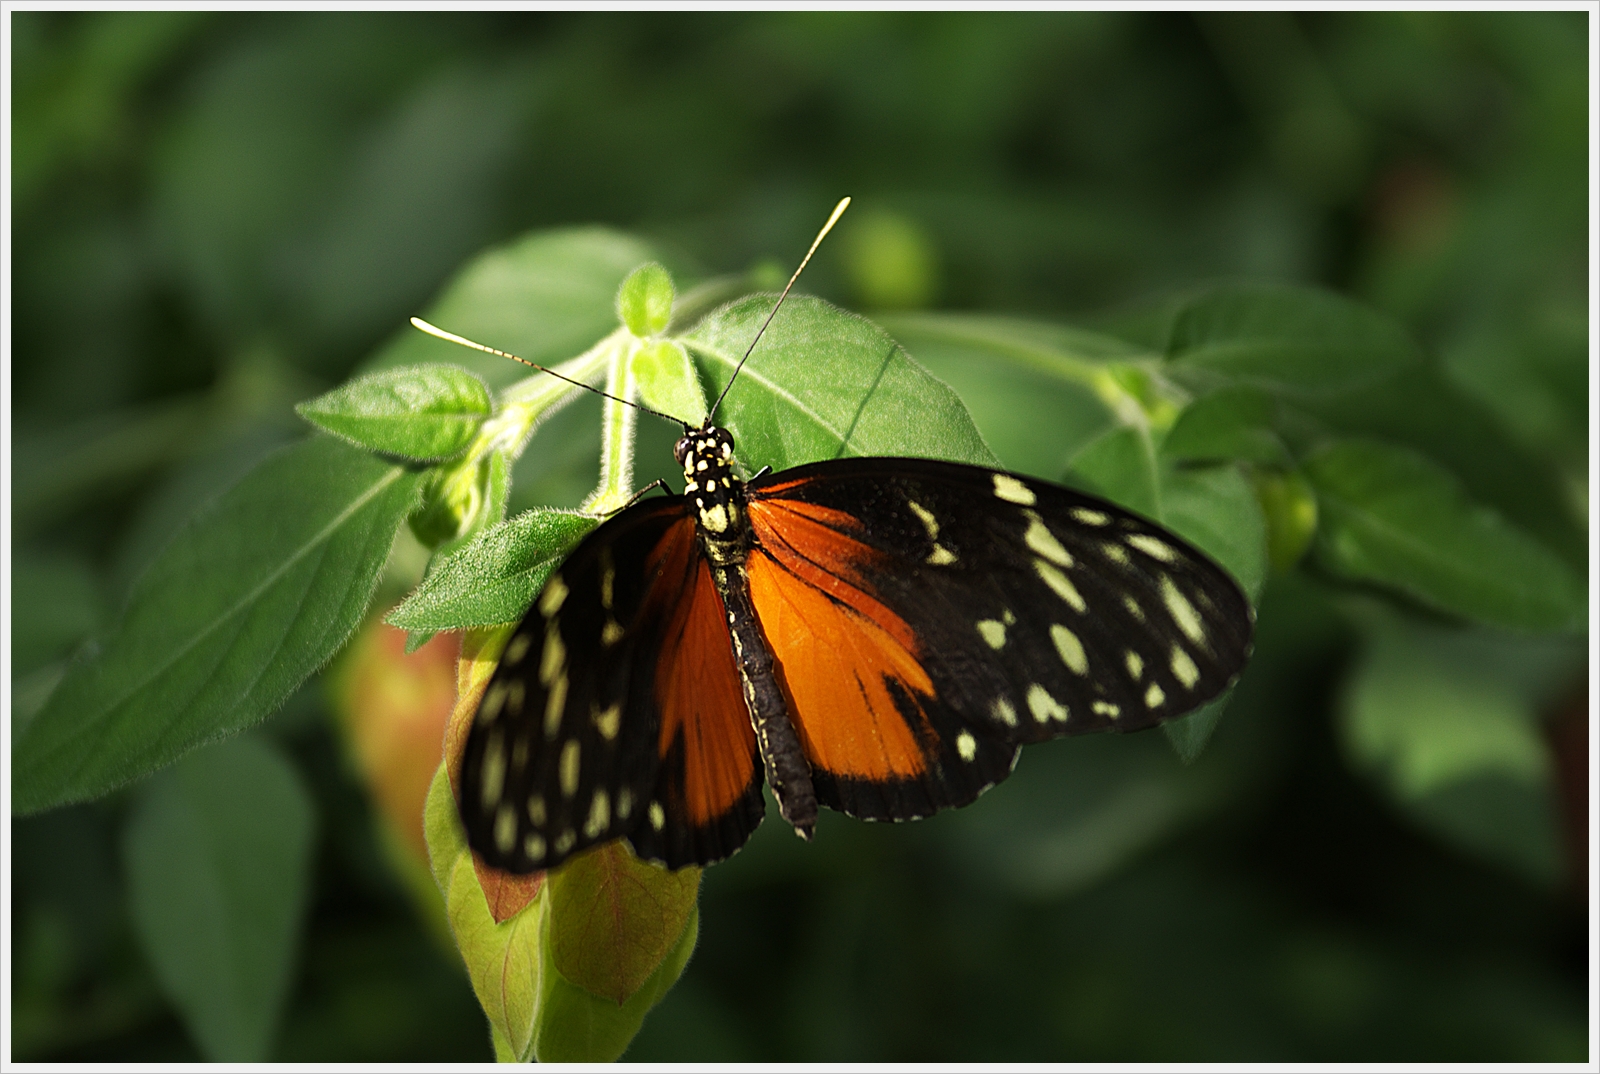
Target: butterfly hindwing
[1032, 611]
[567, 751]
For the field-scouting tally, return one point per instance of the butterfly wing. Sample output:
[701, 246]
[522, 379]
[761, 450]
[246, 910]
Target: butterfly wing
[928, 618]
[616, 710]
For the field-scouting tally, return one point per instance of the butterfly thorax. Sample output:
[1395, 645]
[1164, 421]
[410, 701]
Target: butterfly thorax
[716, 493]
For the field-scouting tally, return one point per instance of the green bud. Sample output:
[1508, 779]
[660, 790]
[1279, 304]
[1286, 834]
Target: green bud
[1289, 505]
[453, 501]
[644, 301]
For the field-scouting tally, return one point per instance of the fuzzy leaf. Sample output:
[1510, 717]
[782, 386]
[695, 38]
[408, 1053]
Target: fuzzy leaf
[423, 412]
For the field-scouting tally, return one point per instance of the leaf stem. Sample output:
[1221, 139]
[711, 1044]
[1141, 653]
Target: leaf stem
[617, 424]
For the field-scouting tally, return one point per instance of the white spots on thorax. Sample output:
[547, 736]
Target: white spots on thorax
[966, 746]
[1003, 712]
[658, 816]
[1010, 489]
[1135, 664]
[555, 592]
[1045, 707]
[569, 768]
[517, 649]
[1106, 708]
[607, 720]
[536, 810]
[1090, 517]
[1152, 547]
[1041, 540]
[1154, 696]
[1061, 584]
[533, 845]
[1182, 611]
[715, 518]
[494, 769]
[701, 466]
[565, 840]
[929, 523]
[505, 829]
[1070, 649]
[599, 814]
[993, 631]
[1184, 668]
[611, 633]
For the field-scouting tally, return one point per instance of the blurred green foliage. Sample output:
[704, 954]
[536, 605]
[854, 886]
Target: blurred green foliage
[217, 216]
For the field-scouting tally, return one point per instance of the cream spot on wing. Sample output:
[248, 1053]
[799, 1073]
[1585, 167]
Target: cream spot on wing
[1070, 648]
[569, 768]
[533, 845]
[1009, 488]
[1135, 664]
[606, 721]
[608, 580]
[505, 829]
[1133, 607]
[658, 816]
[941, 556]
[1044, 707]
[519, 753]
[517, 649]
[565, 840]
[555, 591]
[599, 814]
[554, 703]
[492, 701]
[1089, 517]
[993, 631]
[1150, 546]
[1182, 611]
[1061, 584]
[1042, 541]
[1007, 618]
[554, 655]
[624, 803]
[1183, 667]
[611, 633]
[1106, 708]
[1154, 696]
[1004, 712]
[536, 810]
[494, 769]
[929, 523]
[1115, 553]
[966, 746]
[516, 694]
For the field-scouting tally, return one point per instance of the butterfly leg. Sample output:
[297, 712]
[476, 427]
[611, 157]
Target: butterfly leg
[788, 774]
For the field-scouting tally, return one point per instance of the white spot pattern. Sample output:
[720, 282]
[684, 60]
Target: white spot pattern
[1061, 584]
[1045, 707]
[1070, 648]
[1009, 488]
[993, 631]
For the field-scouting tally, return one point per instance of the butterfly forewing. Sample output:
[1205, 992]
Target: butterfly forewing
[566, 749]
[1034, 612]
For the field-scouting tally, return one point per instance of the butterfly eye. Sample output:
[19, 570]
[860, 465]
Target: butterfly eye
[681, 449]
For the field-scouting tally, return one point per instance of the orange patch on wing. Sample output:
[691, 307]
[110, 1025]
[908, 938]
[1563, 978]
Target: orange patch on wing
[697, 682]
[837, 646]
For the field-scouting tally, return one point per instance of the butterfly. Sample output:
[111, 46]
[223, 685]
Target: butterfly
[879, 636]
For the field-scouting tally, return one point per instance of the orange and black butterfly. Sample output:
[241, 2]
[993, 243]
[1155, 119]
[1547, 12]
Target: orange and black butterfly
[880, 636]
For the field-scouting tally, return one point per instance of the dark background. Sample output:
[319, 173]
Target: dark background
[217, 215]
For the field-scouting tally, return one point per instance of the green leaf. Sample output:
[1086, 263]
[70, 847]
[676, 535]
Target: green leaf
[544, 297]
[1441, 719]
[424, 412]
[614, 918]
[1121, 466]
[1230, 423]
[668, 381]
[1292, 340]
[218, 853]
[247, 600]
[1289, 506]
[1393, 517]
[577, 1026]
[644, 301]
[1190, 734]
[824, 384]
[496, 576]
[55, 603]
[1216, 510]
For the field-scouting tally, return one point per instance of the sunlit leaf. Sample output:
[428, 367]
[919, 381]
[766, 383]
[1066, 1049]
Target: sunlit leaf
[425, 412]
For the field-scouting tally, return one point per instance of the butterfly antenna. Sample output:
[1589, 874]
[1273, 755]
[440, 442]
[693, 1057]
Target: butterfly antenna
[838, 211]
[434, 330]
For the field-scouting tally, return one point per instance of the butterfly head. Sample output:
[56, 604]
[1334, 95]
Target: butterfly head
[706, 456]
